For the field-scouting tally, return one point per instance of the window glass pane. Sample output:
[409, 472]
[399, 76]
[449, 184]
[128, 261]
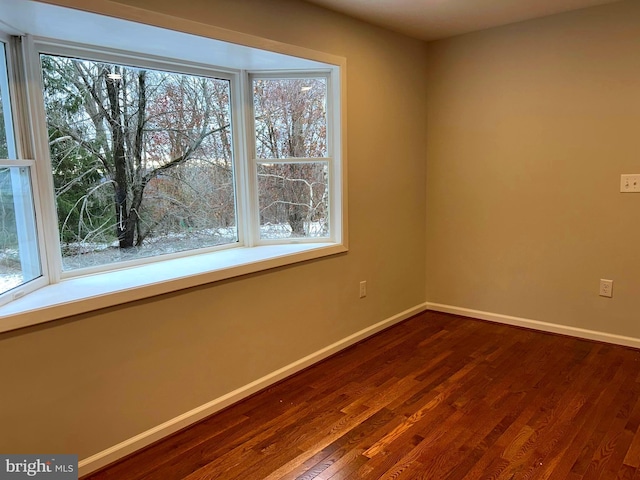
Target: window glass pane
[7, 144]
[141, 159]
[19, 262]
[293, 200]
[290, 117]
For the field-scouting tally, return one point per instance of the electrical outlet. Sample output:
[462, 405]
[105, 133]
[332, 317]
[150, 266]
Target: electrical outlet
[363, 289]
[630, 183]
[606, 288]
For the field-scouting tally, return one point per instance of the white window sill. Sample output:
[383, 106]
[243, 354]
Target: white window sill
[93, 292]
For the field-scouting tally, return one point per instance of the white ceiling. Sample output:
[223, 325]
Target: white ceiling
[435, 19]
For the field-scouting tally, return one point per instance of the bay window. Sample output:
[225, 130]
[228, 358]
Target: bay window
[132, 170]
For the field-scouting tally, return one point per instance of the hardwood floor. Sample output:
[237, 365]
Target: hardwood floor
[437, 397]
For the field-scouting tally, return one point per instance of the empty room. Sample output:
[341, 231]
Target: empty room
[323, 239]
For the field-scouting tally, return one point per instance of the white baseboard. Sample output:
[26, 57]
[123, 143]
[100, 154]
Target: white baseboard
[144, 439]
[537, 325]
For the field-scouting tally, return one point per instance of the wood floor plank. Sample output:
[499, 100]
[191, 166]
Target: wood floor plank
[437, 397]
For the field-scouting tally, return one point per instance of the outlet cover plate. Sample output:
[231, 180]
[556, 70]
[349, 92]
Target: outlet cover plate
[630, 183]
[606, 288]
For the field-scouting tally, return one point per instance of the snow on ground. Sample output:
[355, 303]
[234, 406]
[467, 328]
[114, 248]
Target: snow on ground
[10, 273]
[89, 254]
[9, 281]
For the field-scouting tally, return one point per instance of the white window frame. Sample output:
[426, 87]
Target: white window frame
[330, 159]
[43, 46]
[7, 101]
[29, 234]
[30, 258]
[59, 295]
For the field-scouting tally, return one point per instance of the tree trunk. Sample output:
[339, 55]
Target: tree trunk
[124, 232]
[296, 220]
[296, 211]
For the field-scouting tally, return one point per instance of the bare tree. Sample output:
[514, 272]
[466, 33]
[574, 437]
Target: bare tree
[291, 123]
[139, 133]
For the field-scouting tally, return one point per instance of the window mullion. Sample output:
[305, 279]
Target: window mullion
[35, 123]
[252, 211]
[334, 141]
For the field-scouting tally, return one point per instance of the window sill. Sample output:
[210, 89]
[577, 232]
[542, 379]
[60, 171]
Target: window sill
[93, 292]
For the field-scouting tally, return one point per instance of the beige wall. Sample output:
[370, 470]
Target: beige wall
[86, 383]
[529, 129]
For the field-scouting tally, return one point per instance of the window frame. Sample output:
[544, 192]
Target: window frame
[7, 101]
[57, 296]
[22, 147]
[40, 280]
[45, 46]
[330, 159]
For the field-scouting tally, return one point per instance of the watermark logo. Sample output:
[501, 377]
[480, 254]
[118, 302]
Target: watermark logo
[45, 467]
